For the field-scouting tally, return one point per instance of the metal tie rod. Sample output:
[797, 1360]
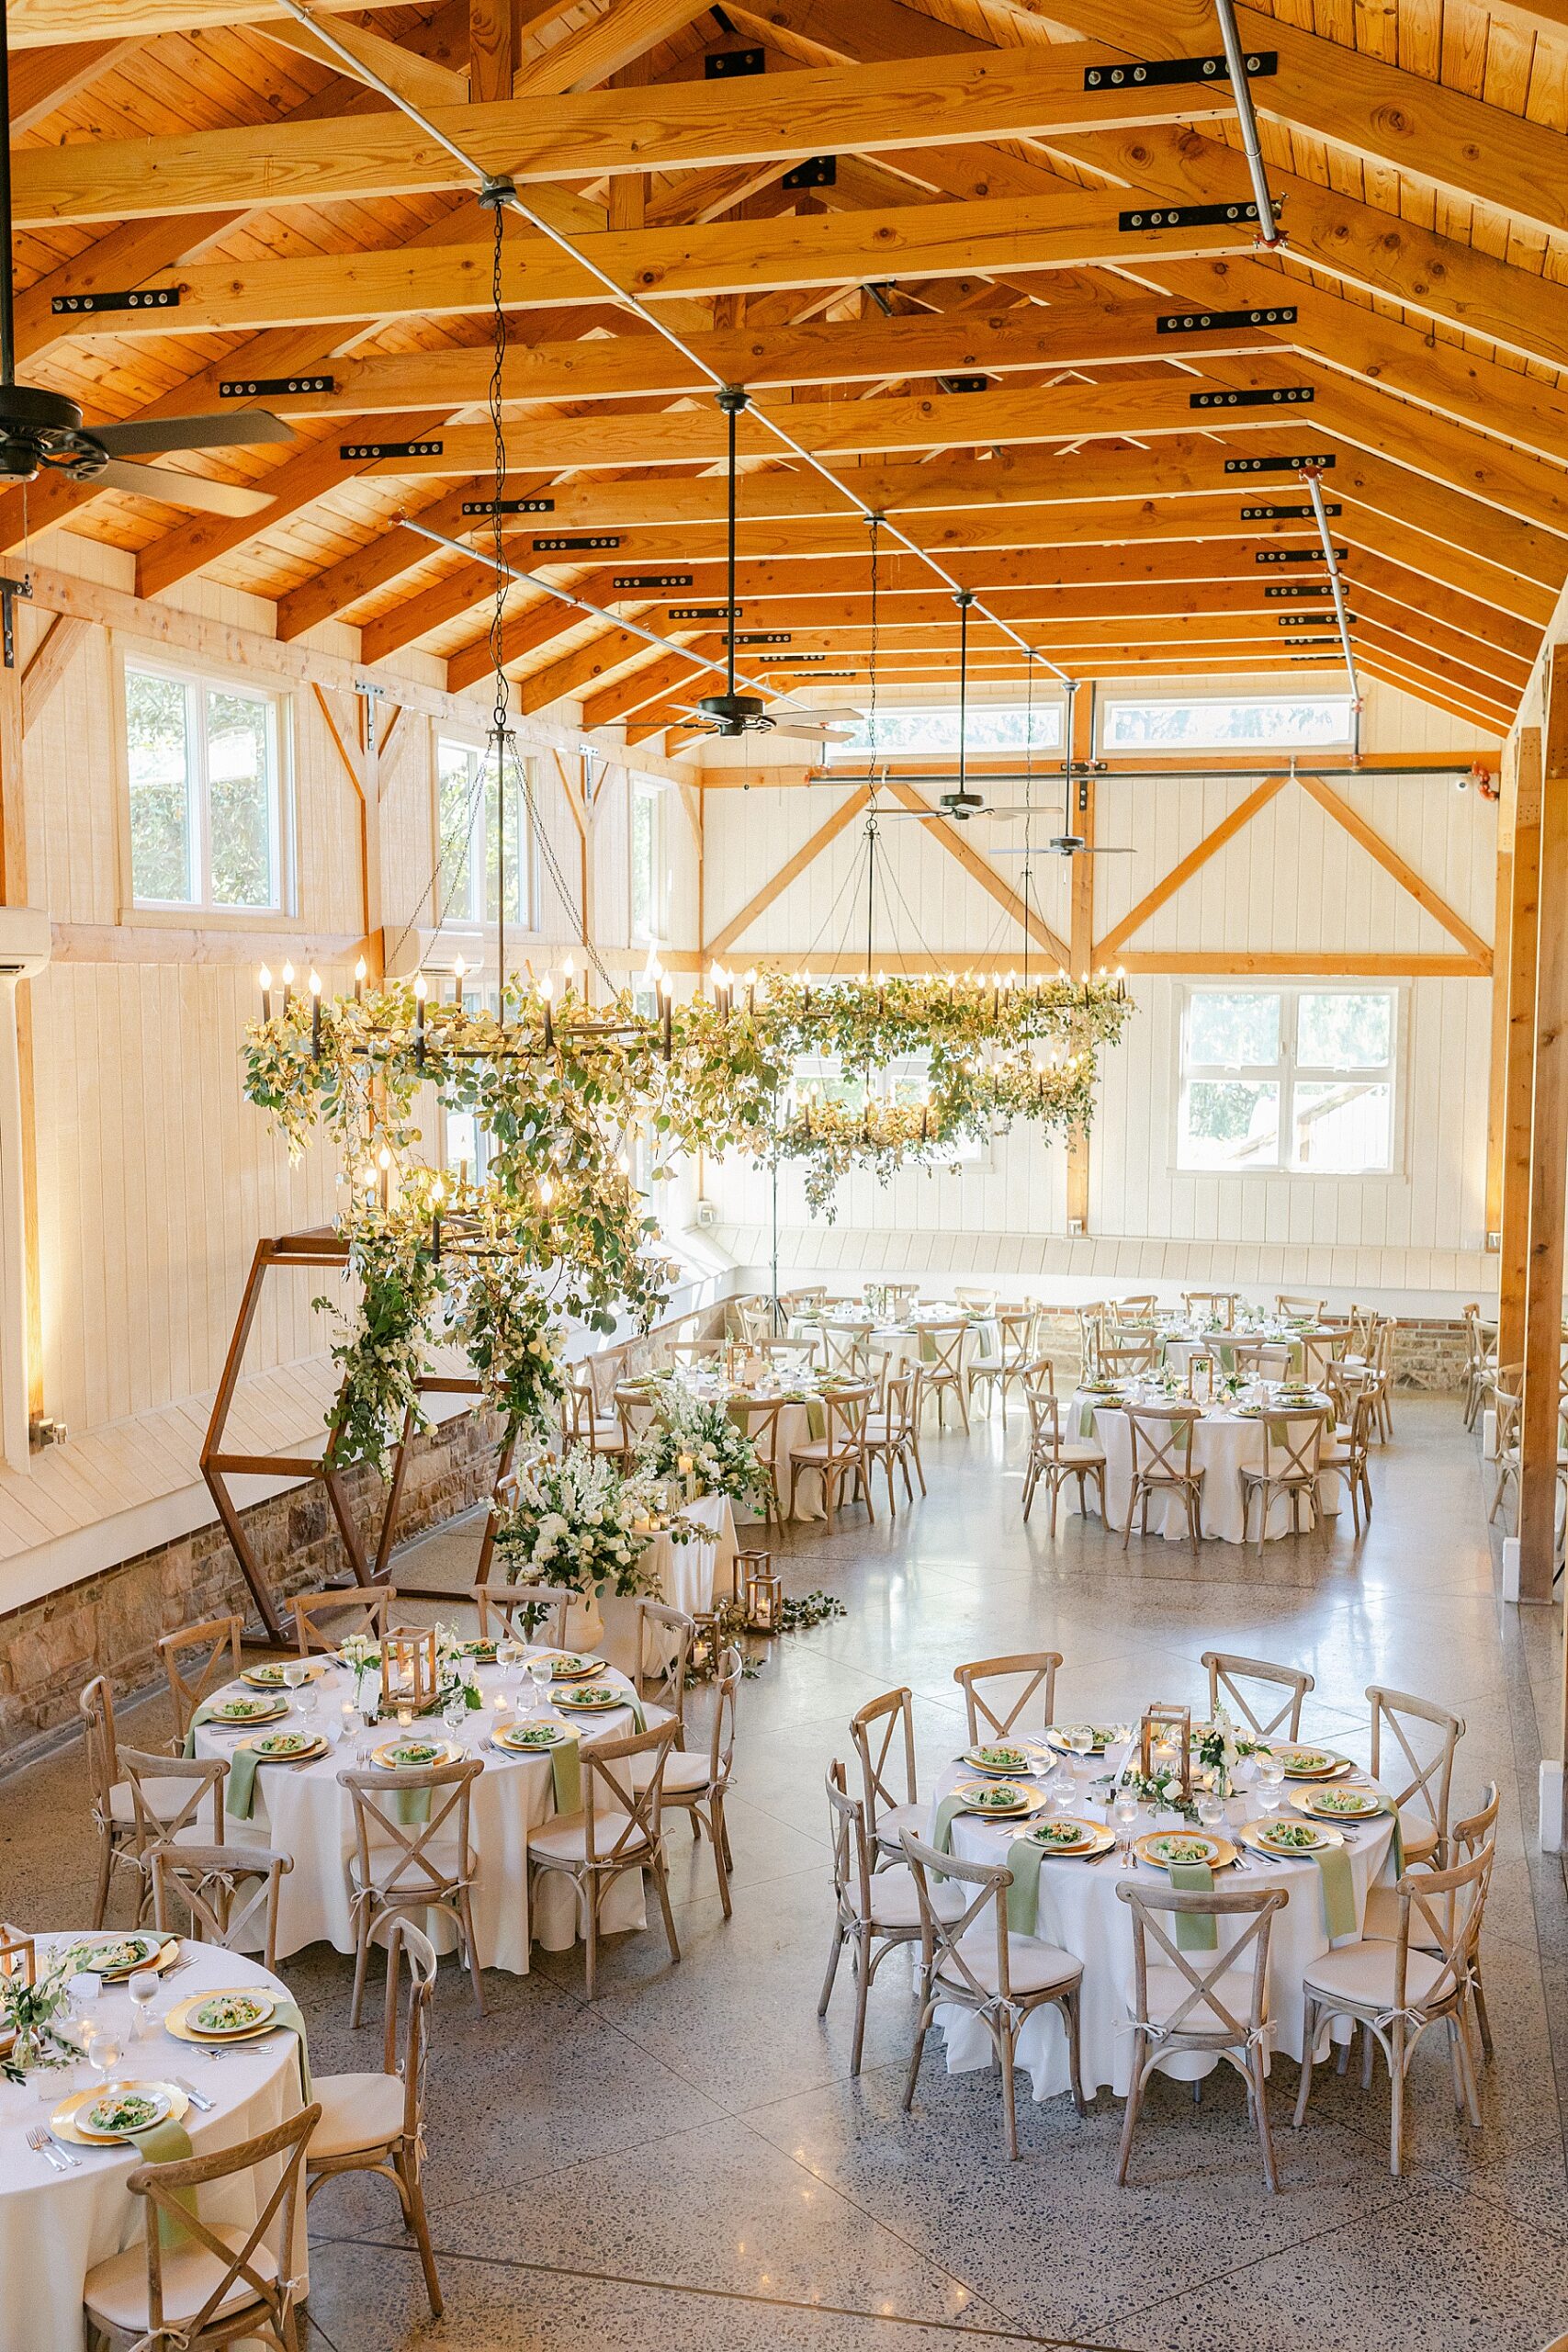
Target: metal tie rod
[1270, 235]
[503, 191]
[1313, 481]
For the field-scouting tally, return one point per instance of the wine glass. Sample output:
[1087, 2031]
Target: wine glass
[1127, 1822]
[453, 1713]
[506, 1654]
[1270, 1783]
[103, 2052]
[142, 1988]
[540, 1668]
[296, 1674]
[1211, 1812]
[308, 1699]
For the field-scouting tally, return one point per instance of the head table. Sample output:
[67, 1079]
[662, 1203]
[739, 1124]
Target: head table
[300, 1810]
[1081, 1911]
[1224, 1442]
[56, 2226]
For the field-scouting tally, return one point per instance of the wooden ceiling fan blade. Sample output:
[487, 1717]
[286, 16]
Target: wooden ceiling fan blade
[148, 436]
[180, 490]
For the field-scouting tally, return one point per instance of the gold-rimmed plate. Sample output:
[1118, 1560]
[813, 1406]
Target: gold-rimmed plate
[268, 1676]
[1290, 1841]
[591, 1698]
[287, 1747]
[516, 1738]
[1059, 1735]
[572, 1665]
[243, 1714]
[1164, 1850]
[252, 2008]
[417, 1755]
[1311, 1763]
[167, 2102]
[1008, 1759]
[112, 1958]
[1071, 1839]
[1336, 1802]
[998, 1799]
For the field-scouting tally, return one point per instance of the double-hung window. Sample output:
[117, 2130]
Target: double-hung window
[647, 861]
[481, 834]
[1298, 1079]
[205, 770]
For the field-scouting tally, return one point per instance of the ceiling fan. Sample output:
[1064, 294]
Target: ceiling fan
[731, 714]
[43, 431]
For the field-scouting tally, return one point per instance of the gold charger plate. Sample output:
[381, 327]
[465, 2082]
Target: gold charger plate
[268, 1707]
[64, 2126]
[572, 1665]
[1097, 1839]
[317, 1746]
[590, 1703]
[269, 1676]
[978, 1799]
[1329, 1835]
[179, 2024]
[168, 1953]
[519, 1746]
[445, 1751]
[1309, 1798]
[1223, 1856]
[1028, 1754]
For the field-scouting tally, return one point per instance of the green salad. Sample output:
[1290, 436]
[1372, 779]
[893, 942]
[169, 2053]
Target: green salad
[1002, 1759]
[1061, 1833]
[535, 1735]
[1002, 1798]
[231, 2013]
[115, 1958]
[285, 1743]
[1177, 1850]
[245, 1710]
[123, 2111]
[1294, 1836]
[1351, 1801]
[415, 1751]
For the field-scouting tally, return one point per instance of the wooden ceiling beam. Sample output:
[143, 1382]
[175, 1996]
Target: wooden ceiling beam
[44, 79]
[840, 110]
[42, 24]
[421, 80]
[523, 633]
[657, 682]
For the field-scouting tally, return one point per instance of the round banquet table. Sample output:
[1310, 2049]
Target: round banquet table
[301, 1811]
[1223, 1443]
[56, 2226]
[1080, 1910]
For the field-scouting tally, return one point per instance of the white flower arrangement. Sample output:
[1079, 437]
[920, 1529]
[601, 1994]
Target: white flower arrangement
[578, 1522]
[698, 1429]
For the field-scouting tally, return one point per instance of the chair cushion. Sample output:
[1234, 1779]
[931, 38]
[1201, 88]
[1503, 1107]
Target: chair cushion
[357, 2111]
[894, 1819]
[1075, 1454]
[1168, 1988]
[895, 1905]
[115, 2292]
[683, 1774]
[1419, 1832]
[1363, 1973]
[165, 1799]
[1032, 1967]
[566, 1839]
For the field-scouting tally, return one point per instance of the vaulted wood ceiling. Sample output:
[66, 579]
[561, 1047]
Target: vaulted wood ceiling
[974, 228]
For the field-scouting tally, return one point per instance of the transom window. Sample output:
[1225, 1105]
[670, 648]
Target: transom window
[1231, 723]
[903, 734]
[1299, 1078]
[469, 805]
[203, 759]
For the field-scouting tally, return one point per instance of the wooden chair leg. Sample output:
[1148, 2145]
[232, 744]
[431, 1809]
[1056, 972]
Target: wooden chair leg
[106, 1866]
[661, 1880]
[419, 2223]
[1396, 2101]
[863, 1995]
[915, 2055]
[361, 1960]
[1309, 2046]
[1259, 2100]
[465, 1919]
[1009, 2093]
[1069, 2007]
[1134, 2101]
[590, 1941]
[720, 1858]
[834, 1956]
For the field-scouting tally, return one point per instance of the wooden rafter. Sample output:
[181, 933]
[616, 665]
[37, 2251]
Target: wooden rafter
[844, 815]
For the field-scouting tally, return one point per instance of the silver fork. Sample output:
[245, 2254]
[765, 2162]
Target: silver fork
[42, 2145]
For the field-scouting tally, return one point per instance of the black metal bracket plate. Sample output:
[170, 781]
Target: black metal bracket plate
[571, 547]
[1276, 396]
[817, 171]
[702, 612]
[493, 507]
[761, 637]
[653, 580]
[727, 64]
[139, 298]
[1318, 461]
[372, 449]
[1297, 589]
[1284, 514]
[1301, 555]
[1163, 72]
[1209, 321]
[965, 383]
[1190, 216]
[248, 388]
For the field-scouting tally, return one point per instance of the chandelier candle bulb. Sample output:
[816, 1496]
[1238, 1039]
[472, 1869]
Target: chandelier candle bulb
[359, 970]
[667, 1023]
[547, 992]
[264, 978]
[419, 996]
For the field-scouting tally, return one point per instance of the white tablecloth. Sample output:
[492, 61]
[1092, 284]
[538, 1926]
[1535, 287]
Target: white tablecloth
[55, 2227]
[1080, 1910]
[301, 1811]
[1222, 1444]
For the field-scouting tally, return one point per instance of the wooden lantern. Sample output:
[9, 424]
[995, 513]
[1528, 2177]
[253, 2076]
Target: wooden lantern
[1200, 1378]
[764, 1591]
[705, 1642]
[18, 1961]
[410, 1670]
[1166, 1729]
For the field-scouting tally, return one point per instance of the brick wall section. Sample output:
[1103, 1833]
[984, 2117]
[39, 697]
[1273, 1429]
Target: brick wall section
[1427, 1354]
[110, 1624]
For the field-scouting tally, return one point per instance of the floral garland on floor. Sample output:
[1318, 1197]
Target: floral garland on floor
[557, 1231]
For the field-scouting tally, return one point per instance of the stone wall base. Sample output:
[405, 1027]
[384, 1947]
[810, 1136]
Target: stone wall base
[1427, 1355]
[110, 1624]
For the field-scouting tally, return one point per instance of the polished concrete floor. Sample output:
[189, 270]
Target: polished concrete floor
[687, 2163]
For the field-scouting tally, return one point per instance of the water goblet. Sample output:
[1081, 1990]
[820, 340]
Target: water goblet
[540, 1668]
[142, 1988]
[296, 1674]
[103, 2052]
[1127, 1822]
[308, 1700]
[506, 1655]
[1211, 1812]
[453, 1713]
[1270, 1783]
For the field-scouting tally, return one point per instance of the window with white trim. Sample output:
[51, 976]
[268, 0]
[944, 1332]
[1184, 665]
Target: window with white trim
[204, 771]
[1298, 1079]
[469, 815]
[911, 733]
[647, 861]
[1225, 723]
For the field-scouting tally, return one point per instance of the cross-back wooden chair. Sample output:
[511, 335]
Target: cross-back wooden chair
[971, 1960]
[230, 1892]
[1362, 1336]
[584, 1422]
[1091, 1330]
[619, 1830]
[790, 1357]
[1193, 2001]
[664, 1639]
[846, 1347]
[1295, 1302]
[1258, 1359]
[1395, 1990]
[875, 1910]
[1466, 1840]
[1017, 1330]
[323, 1620]
[198, 2285]
[1055, 1458]
[1206, 1304]
[402, 1869]
[524, 1613]
[1229, 1673]
[941, 1346]
[1424, 1739]
[1292, 1456]
[880, 1730]
[689, 1354]
[109, 1796]
[1127, 1359]
[1035, 1669]
[697, 1783]
[375, 2122]
[892, 1435]
[758, 1418]
[1320, 1352]
[168, 1796]
[1347, 1454]
[1480, 1362]
[1138, 1306]
[198, 1660]
[1161, 1439]
[838, 1456]
[803, 1298]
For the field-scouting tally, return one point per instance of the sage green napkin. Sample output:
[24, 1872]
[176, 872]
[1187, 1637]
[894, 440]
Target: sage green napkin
[1227, 1354]
[202, 1715]
[928, 1348]
[168, 2143]
[1087, 1408]
[239, 1797]
[815, 1418]
[566, 1774]
[286, 2015]
[1338, 1892]
[947, 1813]
[1194, 1930]
[1025, 1858]
[1296, 1360]
[412, 1805]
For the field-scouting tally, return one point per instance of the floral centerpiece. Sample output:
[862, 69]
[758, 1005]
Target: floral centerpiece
[578, 1520]
[698, 1430]
[31, 2014]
